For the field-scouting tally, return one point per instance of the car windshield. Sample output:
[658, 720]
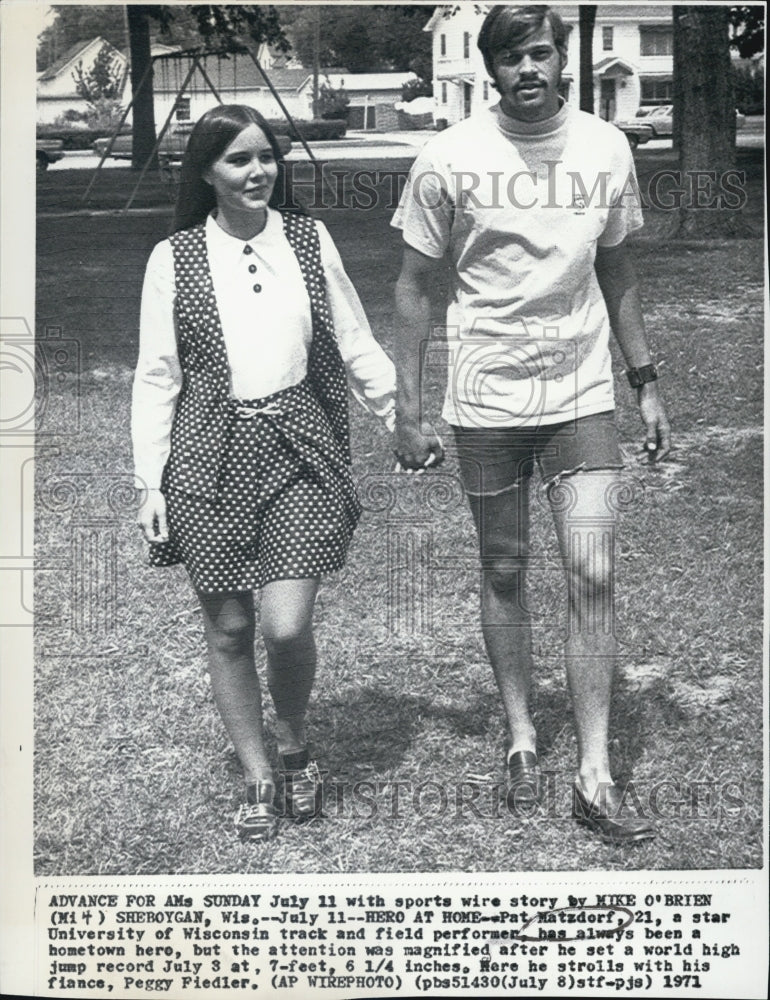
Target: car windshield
[664, 109]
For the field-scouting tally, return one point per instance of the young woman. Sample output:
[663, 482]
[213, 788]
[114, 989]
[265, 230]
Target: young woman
[249, 326]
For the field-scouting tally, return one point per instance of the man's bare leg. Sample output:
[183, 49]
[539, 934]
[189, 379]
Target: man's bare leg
[585, 526]
[502, 524]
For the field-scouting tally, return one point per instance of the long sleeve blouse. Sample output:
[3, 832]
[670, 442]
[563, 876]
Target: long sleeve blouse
[264, 311]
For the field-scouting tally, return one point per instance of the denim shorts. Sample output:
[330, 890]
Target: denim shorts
[494, 460]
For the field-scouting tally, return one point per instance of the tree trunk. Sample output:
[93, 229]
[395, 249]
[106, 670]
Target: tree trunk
[704, 119]
[316, 58]
[143, 109]
[587, 13]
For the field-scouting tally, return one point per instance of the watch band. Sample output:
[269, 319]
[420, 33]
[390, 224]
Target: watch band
[639, 376]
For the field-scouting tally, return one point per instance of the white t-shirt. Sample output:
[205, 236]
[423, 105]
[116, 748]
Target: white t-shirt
[520, 208]
[267, 328]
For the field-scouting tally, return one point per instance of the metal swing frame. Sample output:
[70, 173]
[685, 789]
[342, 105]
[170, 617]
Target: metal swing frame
[194, 55]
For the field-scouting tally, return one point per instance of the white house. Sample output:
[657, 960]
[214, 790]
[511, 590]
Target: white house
[56, 86]
[235, 79]
[632, 50]
[238, 81]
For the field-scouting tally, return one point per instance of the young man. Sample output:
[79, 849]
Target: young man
[532, 201]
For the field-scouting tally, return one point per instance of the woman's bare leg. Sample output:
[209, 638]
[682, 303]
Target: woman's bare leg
[287, 631]
[229, 623]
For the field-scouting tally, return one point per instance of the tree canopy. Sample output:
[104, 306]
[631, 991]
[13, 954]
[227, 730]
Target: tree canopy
[747, 25]
[362, 39]
[79, 23]
[219, 26]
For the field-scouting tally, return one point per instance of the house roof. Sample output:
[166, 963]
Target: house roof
[238, 72]
[613, 65]
[72, 53]
[444, 11]
[230, 73]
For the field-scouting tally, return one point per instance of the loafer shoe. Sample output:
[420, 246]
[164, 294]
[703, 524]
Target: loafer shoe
[523, 784]
[605, 815]
[257, 818]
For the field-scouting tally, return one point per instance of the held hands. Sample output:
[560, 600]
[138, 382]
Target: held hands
[658, 437]
[152, 517]
[417, 446]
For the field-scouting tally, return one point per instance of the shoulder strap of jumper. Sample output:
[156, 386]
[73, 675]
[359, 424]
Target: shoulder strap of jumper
[326, 371]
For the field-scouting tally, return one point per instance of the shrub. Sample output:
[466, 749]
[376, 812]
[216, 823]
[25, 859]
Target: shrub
[104, 113]
[332, 102]
[416, 88]
[317, 129]
[82, 136]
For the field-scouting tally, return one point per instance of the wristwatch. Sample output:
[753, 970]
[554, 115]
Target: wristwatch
[638, 376]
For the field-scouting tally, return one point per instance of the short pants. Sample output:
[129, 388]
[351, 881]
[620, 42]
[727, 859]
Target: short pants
[494, 460]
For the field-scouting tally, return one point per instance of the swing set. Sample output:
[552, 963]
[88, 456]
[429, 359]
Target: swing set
[165, 60]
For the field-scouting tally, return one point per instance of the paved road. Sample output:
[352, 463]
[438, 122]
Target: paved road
[394, 146]
[355, 146]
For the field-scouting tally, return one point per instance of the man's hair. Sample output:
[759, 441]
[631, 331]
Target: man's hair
[505, 26]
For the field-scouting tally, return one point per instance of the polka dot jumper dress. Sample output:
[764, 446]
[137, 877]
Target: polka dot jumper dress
[256, 490]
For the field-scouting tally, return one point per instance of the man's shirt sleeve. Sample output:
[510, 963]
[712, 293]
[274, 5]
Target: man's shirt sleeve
[625, 206]
[425, 211]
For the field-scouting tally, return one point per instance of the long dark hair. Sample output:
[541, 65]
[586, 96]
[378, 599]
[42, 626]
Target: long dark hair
[212, 134]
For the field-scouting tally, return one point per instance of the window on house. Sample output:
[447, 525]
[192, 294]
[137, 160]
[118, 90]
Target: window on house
[657, 91]
[466, 45]
[182, 109]
[656, 41]
[607, 39]
[485, 90]
[443, 93]
[442, 44]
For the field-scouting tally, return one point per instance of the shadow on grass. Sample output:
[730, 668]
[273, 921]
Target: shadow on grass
[376, 734]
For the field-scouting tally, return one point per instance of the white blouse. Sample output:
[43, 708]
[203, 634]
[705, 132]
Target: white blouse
[264, 309]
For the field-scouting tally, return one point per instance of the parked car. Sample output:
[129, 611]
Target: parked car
[636, 131]
[656, 123]
[649, 123]
[171, 148]
[48, 151]
[661, 121]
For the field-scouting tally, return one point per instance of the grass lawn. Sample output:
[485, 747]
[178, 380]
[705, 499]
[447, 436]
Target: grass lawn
[134, 773]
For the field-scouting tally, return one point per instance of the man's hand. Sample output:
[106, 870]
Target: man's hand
[657, 441]
[152, 517]
[417, 445]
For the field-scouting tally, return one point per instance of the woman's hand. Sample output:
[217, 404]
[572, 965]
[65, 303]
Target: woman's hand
[152, 517]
